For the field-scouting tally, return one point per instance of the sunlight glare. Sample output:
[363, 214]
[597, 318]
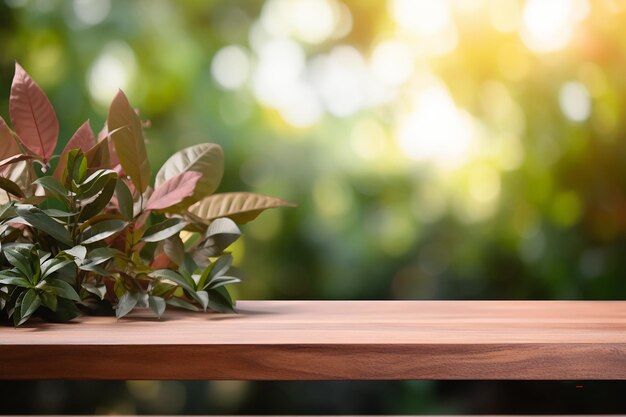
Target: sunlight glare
[311, 21]
[231, 67]
[341, 78]
[91, 12]
[280, 65]
[549, 25]
[575, 101]
[392, 62]
[504, 15]
[422, 17]
[113, 69]
[435, 129]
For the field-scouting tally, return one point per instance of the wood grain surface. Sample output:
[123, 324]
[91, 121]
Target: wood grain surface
[289, 340]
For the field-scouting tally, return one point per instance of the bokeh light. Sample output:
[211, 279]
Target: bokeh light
[435, 129]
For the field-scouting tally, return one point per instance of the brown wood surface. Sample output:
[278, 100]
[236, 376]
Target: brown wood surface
[288, 340]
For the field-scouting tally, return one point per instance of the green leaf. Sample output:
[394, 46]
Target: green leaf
[240, 207]
[95, 183]
[95, 207]
[129, 141]
[222, 265]
[221, 281]
[220, 301]
[66, 310]
[177, 302]
[157, 305]
[124, 199]
[184, 281]
[98, 290]
[100, 255]
[21, 257]
[163, 288]
[61, 289]
[43, 256]
[94, 268]
[189, 264]
[13, 280]
[7, 210]
[15, 310]
[76, 168]
[49, 300]
[174, 249]
[42, 221]
[205, 158]
[11, 187]
[52, 265]
[30, 304]
[218, 268]
[77, 252]
[203, 298]
[220, 234]
[163, 230]
[58, 213]
[102, 230]
[53, 188]
[126, 303]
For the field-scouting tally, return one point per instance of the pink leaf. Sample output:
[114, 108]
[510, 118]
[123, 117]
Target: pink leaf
[104, 134]
[32, 115]
[83, 139]
[8, 145]
[174, 190]
[126, 134]
[16, 158]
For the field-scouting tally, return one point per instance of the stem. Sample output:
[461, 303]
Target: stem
[74, 219]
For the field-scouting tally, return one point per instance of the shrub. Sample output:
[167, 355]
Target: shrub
[86, 228]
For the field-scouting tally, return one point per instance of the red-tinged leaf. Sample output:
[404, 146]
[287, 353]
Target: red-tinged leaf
[98, 156]
[32, 115]
[127, 135]
[160, 261]
[240, 207]
[83, 139]
[13, 159]
[173, 191]
[105, 135]
[21, 174]
[8, 145]
[115, 161]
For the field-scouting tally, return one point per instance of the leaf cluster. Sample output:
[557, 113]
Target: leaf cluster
[86, 227]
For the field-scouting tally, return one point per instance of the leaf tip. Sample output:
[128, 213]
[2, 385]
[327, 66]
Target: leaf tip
[18, 68]
[120, 95]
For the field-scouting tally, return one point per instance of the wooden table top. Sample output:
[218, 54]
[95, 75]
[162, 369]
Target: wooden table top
[286, 340]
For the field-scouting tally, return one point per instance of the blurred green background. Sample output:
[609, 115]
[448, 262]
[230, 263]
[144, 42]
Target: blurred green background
[469, 149]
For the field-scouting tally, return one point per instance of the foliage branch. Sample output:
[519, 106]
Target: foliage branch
[85, 228]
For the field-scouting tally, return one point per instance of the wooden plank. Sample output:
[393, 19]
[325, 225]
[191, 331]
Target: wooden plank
[289, 340]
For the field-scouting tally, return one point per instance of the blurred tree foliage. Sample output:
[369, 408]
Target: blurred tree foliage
[451, 150]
